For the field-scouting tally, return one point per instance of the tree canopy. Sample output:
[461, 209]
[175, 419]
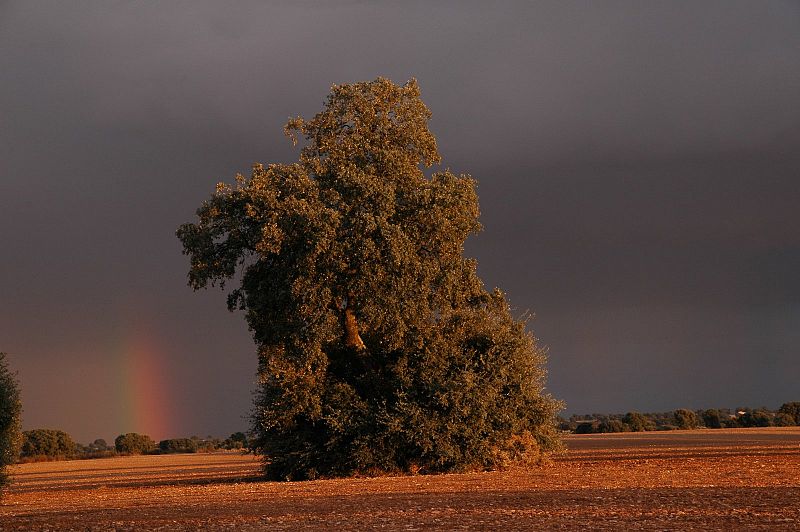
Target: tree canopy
[134, 443]
[10, 418]
[792, 410]
[379, 348]
[52, 443]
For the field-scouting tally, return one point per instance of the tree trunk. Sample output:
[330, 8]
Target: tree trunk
[351, 337]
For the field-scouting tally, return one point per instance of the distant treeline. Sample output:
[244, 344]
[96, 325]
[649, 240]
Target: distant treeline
[788, 415]
[49, 444]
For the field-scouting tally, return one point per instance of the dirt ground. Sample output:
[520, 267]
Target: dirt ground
[683, 480]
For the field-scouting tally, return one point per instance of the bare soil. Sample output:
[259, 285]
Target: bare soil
[682, 480]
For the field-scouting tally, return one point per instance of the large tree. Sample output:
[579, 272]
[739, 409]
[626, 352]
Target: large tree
[379, 348]
[51, 443]
[10, 418]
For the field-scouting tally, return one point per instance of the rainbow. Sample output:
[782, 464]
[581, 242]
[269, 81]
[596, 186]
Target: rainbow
[144, 403]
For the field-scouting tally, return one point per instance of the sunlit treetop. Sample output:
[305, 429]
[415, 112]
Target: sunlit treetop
[354, 225]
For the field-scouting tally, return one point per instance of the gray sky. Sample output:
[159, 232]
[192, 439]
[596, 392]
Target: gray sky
[637, 162]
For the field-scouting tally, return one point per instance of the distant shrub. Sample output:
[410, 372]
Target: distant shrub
[611, 425]
[762, 418]
[712, 419]
[97, 449]
[755, 418]
[783, 419]
[99, 445]
[10, 411]
[48, 444]
[637, 422]
[89, 454]
[208, 444]
[685, 419]
[586, 427]
[791, 409]
[178, 445]
[133, 443]
[237, 440]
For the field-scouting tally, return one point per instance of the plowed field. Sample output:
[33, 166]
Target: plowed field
[694, 480]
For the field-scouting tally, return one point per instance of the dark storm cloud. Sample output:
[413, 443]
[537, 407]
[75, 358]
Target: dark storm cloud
[637, 165]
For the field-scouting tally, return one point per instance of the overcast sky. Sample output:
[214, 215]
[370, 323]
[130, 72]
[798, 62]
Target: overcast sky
[638, 168]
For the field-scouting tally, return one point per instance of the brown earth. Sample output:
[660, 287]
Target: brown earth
[682, 480]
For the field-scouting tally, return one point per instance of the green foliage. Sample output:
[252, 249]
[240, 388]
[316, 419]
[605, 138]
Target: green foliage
[379, 348]
[686, 419]
[783, 419]
[683, 419]
[50, 443]
[133, 443]
[791, 409]
[99, 445]
[611, 425]
[99, 448]
[10, 418]
[237, 440]
[587, 428]
[178, 445]
[731, 423]
[207, 444]
[712, 419]
[637, 422]
[755, 418]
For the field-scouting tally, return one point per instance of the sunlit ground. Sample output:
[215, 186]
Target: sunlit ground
[705, 480]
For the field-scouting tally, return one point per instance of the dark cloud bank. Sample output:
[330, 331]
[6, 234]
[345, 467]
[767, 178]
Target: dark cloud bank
[638, 168]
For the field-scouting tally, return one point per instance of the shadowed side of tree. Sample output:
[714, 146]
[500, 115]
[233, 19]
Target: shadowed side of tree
[379, 348]
[10, 419]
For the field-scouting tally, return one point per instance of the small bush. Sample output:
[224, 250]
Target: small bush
[791, 409]
[637, 422]
[611, 425]
[730, 423]
[99, 445]
[89, 455]
[237, 440]
[756, 418]
[586, 428]
[712, 419]
[133, 443]
[783, 419]
[178, 445]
